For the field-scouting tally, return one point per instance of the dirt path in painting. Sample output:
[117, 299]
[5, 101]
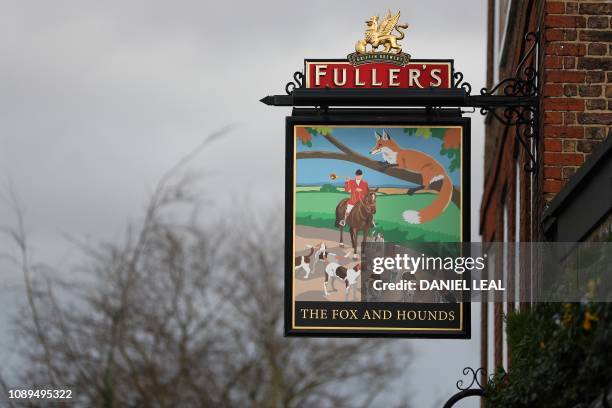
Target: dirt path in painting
[314, 236]
[311, 289]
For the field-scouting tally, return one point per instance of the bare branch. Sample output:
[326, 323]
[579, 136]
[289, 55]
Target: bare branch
[179, 314]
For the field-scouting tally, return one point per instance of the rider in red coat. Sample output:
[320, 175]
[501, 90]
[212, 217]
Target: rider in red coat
[358, 189]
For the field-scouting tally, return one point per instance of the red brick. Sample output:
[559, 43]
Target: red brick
[563, 159]
[553, 90]
[565, 76]
[566, 49]
[565, 21]
[564, 104]
[595, 118]
[570, 35]
[608, 91]
[596, 8]
[597, 22]
[570, 132]
[589, 90]
[552, 61]
[569, 118]
[569, 62]
[571, 8]
[569, 145]
[570, 90]
[552, 172]
[552, 145]
[595, 77]
[585, 146]
[552, 186]
[598, 49]
[596, 35]
[553, 118]
[554, 34]
[568, 172]
[555, 7]
[597, 133]
[596, 104]
[595, 63]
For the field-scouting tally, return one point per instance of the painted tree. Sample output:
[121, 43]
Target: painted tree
[451, 142]
[450, 148]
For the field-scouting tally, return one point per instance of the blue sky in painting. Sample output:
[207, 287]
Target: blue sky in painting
[361, 140]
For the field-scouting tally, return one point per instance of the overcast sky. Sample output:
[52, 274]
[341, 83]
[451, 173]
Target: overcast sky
[98, 99]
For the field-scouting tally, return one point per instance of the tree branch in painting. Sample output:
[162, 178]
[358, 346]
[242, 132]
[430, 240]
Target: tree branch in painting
[347, 154]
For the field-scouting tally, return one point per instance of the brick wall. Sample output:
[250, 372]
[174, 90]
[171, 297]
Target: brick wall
[577, 86]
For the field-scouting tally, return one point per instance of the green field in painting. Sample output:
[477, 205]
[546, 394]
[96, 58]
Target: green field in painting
[307, 188]
[317, 209]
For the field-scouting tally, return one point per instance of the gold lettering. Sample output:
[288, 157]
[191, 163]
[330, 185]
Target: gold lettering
[338, 82]
[413, 78]
[314, 313]
[319, 72]
[374, 82]
[435, 74]
[357, 81]
[393, 74]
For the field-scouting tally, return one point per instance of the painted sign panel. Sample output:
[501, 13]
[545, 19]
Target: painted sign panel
[358, 184]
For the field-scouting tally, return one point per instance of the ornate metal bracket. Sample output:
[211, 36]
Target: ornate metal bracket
[524, 83]
[469, 391]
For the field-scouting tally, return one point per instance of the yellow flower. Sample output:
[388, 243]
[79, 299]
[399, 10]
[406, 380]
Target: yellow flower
[592, 287]
[588, 318]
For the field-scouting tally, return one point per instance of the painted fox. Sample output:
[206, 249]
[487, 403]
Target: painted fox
[417, 162]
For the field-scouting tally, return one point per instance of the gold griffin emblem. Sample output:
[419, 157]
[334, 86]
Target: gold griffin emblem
[378, 34]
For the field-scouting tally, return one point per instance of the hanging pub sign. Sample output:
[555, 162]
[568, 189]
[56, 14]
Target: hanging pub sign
[369, 192]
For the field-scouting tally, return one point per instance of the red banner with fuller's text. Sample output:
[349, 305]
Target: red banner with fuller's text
[342, 74]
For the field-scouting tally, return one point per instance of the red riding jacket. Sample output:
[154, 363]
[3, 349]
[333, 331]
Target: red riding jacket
[358, 192]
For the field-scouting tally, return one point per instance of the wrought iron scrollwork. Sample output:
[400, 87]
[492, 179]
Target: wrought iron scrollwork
[524, 121]
[470, 390]
[524, 83]
[460, 83]
[475, 380]
[298, 78]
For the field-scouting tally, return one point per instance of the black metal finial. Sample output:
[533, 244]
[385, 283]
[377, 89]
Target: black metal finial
[469, 391]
